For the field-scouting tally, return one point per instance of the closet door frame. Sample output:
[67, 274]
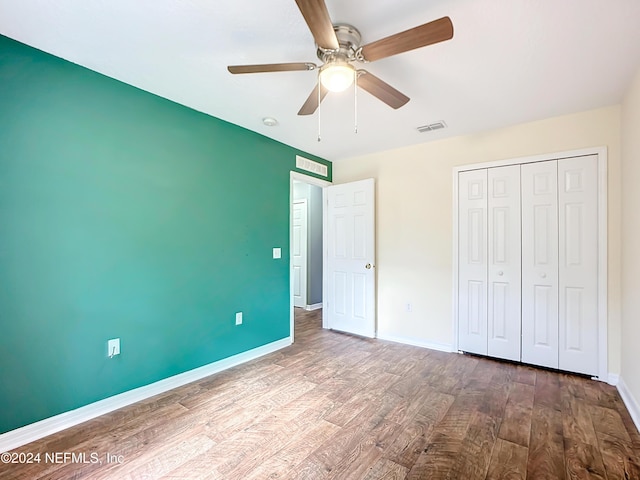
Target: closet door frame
[601, 152]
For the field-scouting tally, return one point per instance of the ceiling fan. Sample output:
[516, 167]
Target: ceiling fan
[339, 47]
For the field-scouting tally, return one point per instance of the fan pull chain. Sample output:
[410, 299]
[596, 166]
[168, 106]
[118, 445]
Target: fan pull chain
[355, 100]
[319, 99]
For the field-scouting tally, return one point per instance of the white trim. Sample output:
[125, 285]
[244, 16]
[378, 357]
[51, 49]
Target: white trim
[301, 177]
[416, 342]
[315, 306]
[35, 431]
[602, 264]
[325, 255]
[613, 379]
[630, 402]
[454, 343]
[532, 159]
[601, 152]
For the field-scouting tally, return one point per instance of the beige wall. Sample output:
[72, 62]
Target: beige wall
[414, 217]
[630, 370]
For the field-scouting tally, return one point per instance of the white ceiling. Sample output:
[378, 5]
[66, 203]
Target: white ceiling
[508, 62]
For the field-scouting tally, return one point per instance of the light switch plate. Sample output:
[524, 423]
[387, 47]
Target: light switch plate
[239, 318]
[113, 347]
[277, 253]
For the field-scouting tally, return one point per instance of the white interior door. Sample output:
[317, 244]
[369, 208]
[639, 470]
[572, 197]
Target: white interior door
[350, 296]
[472, 261]
[578, 256]
[540, 263]
[299, 253]
[504, 267]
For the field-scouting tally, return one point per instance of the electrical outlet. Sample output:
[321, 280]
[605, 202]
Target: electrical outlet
[277, 252]
[113, 347]
[408, 308]
[239, 318]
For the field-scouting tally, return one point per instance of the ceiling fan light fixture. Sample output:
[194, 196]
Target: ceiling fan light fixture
[337, 76]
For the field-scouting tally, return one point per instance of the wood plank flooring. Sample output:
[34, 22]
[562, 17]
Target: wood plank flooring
[336, 406]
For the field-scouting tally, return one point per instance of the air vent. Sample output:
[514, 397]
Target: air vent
[311, 166]
[431, 127]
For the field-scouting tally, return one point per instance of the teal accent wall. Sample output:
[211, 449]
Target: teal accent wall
[123, 214]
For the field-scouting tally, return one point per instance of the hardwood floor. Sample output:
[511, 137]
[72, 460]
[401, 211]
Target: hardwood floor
[336, 406]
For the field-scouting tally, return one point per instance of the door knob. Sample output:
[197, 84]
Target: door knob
[543, 275]
[500, 273]
[368, 266]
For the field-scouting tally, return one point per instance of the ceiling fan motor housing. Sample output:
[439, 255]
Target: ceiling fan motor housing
[349, 40]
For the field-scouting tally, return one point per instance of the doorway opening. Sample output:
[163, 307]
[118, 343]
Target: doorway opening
[345, 265]
[306, 243]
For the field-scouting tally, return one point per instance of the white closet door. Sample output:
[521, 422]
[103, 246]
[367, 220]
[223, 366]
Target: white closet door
[540, 263]
[472, 261]
[578, 254]
[504, 269]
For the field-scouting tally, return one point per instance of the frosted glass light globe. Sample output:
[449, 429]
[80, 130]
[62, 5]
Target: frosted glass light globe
[337, 77]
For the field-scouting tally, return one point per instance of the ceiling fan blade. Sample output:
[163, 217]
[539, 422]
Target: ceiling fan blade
[316, 15]
[271, 67]
[421, 36]
[381, 90]
[311, 104]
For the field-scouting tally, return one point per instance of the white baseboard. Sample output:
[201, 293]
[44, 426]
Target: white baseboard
[315, 306]
[613, 379]
[416, 342]
[630, 402]
[35, 431]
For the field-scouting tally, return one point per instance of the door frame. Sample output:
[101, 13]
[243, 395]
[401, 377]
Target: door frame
[318, 182]
[601, 152]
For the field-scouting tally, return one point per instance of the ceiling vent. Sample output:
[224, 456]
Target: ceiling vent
[432, 126]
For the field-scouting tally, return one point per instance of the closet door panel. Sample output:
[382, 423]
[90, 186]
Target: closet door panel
[472, 261]
[540, 263]
[504, 272]
[578, 264]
